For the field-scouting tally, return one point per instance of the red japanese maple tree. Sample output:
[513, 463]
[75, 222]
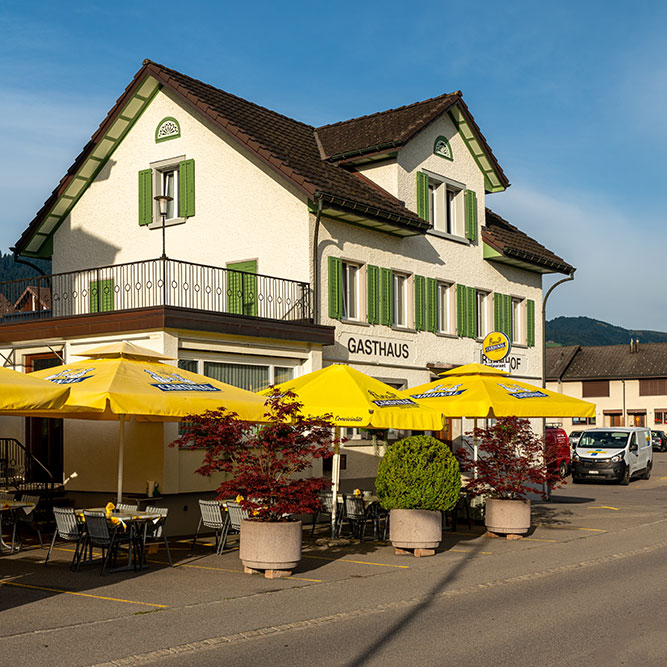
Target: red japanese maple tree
[264, 460]
[512, 463]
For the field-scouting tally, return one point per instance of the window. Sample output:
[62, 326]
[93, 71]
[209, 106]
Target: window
[584, 420]
[400, 301]
[660, 417]
[253, 377]
[594, 388]
[443, 207]
[350, 291]
[482, 325]
[174, 178]
[443, 307]
[653, 387]
[517, 331]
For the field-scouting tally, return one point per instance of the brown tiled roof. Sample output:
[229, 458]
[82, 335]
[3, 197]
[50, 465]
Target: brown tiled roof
[42, 296]
[513, 243]
[383, 129]
[607, 362]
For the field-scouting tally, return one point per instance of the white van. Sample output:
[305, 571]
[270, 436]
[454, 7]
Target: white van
[613, 453]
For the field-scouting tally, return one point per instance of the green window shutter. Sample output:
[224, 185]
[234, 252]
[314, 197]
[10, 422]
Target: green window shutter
[420, 303]
[101, 296]
[335, 288]
[145, 196]
[431, 304]
[242, 288]
[507, 315]
[373, 294]
[498, 312]
[386, 297]
[471, 312]
[471, 215]
[422, 196]
[186, 188]
[530, 323]
[461, 291]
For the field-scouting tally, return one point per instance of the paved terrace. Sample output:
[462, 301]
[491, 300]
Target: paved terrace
[206, 610]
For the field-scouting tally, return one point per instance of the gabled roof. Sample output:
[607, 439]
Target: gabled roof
[389, 130]
[607, 362]
[507, 244]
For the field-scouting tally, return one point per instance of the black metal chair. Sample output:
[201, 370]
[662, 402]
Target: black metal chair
[68, 528]
[99, 535]
[326, 508]
[212, 517]
[30, 519]
[126, 507]
[154, 531]
[356, 515]
[463, 503]
[379, 517]
[236, 514]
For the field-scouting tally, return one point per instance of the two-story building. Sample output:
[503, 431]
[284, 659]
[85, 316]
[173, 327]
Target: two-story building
[285, 247]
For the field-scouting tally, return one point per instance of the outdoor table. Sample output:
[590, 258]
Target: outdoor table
[136, 521]
[11, 507]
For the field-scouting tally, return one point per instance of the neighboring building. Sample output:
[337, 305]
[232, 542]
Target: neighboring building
[627, 382]
[290, 247]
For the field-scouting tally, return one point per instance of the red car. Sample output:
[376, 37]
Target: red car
[556, 441]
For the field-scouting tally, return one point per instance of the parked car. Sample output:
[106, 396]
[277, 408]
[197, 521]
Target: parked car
[659, 440]
[613, 453]
[557, 438]
[574, 438]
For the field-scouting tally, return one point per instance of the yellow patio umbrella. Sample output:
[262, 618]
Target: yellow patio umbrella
[20, 392]
[479, 391]
[356, 400]
[123, 379]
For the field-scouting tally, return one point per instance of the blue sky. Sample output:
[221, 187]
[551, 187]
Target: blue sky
[570, 95]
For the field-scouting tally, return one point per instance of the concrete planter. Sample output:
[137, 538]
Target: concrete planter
[507, 517]
[270, 546]
[415, 529]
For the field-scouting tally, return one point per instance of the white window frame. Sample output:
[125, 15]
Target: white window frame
[355, 269]
[395, 277]
[447, 217]
[518, 325]
[160, 168]
[444, 309]
[482, 313]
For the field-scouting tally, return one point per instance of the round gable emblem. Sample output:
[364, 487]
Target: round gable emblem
[168, 128]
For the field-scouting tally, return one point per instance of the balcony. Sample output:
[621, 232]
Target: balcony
[158, 285]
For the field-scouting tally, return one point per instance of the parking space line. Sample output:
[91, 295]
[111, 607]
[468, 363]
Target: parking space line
[469, 551]
[604, 507]
[358, 562]
[222, 569]
[85, 595]
[537, 539]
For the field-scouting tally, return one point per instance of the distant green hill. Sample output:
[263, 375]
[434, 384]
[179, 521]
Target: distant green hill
[587, 331]
[11, 270]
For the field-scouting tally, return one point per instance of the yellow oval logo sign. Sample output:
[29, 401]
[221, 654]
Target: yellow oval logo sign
[496, 346]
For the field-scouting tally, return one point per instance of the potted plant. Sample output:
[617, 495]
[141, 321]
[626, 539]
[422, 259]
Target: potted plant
[418, 479]
[266, 464]
[513, 463]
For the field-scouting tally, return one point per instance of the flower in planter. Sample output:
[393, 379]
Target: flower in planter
[513, 462]
[264, 462]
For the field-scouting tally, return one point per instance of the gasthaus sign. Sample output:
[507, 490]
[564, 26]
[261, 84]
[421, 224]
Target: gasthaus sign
[387, 349]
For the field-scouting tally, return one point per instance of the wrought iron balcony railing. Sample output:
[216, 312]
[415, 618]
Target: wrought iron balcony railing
[154, 283]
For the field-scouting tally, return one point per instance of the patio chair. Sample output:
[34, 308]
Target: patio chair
[127, 507]
[98, 535]
[30, 519]
[236, 515]
[212, 517]
[68, 528]
[379, 517]
[4, 495]
[463, 504]
[326, 507]
[356, 515]
[155, 530]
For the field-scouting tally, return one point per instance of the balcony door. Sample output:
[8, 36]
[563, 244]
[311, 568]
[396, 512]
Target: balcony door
[242, 288]
[44, 436]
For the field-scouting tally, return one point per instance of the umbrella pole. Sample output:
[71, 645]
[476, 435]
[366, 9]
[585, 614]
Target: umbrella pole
[475, 448]
[121, 452]
[335, 481]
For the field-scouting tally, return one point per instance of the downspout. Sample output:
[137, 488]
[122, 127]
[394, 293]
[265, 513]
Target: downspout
[18, 260]
[316, 262]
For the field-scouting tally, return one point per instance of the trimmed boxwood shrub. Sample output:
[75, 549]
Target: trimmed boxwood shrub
[420, 473]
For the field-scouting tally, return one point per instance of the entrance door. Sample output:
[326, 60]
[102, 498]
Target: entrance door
[44, 436]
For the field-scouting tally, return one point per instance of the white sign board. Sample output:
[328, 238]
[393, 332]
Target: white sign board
[516, 364]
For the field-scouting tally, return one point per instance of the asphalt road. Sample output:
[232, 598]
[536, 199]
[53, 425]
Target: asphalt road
[586, 588]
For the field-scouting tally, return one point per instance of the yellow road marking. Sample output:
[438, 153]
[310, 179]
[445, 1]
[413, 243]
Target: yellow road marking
[537, 539]
[663, 478]
[593, 530]
[358, 562]
[470, 551]
[222, 569]
[604, 507]
[85, 595]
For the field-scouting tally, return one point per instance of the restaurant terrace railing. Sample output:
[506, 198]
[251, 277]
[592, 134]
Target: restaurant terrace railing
[154, 283]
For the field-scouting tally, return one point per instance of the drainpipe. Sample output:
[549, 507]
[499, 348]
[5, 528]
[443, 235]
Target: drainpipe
[316, 263]
[544, 325]
[18, 260]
